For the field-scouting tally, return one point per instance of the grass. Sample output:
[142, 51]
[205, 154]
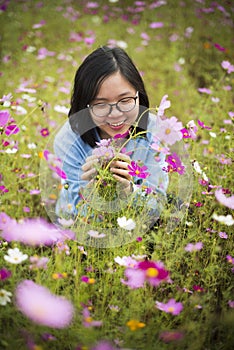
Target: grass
[177, 59]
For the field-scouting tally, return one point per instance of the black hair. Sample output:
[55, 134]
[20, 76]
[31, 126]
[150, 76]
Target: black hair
[100, 64]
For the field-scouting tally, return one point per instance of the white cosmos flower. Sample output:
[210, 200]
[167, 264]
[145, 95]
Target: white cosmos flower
[15, 256]
[126, 224]
[5, 297]
[227, 220]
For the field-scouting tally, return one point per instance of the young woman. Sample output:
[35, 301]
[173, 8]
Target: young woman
[109, 98]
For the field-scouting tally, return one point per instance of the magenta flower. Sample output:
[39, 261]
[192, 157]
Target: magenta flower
[222, 199]
[44, 132]
[175, 164]
[219, 47]
[171, 307]
[42, 307]
[145, 271]
[4, 274]
[138, 171]
[185, 133]
[3, 189]
[190, 247]
[169, 131]
[203, 126]
[198, 288]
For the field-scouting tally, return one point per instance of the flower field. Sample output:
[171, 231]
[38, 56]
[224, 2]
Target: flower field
[163, 284]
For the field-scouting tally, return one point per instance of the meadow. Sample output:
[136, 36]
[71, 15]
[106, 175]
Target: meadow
[167, 287]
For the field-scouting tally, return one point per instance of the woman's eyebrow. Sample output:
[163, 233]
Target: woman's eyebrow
[127, 93]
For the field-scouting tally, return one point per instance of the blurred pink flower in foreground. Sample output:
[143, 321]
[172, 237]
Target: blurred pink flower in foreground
[41, 306]
[33, 232]
[171, 307]
[222, 199]
[145, 271]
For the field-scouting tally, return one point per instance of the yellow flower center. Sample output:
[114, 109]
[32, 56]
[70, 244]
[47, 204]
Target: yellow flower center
[151, 272]
[88, 319]
[171, 309]
[135, 324]
[167, 131]
[137, 172]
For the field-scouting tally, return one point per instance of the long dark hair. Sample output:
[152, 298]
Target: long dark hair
[100, 64]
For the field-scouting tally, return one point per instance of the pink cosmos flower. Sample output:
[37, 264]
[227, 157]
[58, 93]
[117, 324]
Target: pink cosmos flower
[138, 171]
[155, 25]
[222, 199]
[169, 131]
[4, 118]
[88, 320]
[164, 104]
[227, 66]
[43, 53]
[41, 306]
[171, 307]
[105, 152]
[146, 271]
[204, 90]
[190, 247]
[192, 128]
[38, 263]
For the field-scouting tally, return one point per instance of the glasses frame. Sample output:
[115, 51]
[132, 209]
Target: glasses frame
[111, 105]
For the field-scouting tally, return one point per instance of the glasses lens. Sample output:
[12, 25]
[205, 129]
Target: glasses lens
[101, 110]
[126, 104]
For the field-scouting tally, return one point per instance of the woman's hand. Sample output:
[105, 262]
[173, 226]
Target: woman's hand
[89, 168]
[120, 171]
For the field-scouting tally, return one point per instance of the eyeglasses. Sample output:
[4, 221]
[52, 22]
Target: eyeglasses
[126, 104]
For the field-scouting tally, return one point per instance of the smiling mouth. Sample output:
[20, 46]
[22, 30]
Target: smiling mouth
[116, 124]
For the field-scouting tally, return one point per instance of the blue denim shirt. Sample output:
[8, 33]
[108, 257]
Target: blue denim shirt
[73, 151]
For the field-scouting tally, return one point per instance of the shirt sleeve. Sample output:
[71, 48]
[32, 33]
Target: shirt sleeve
[72, 151]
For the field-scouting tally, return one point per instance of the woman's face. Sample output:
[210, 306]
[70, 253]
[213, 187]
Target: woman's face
[113, 89]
